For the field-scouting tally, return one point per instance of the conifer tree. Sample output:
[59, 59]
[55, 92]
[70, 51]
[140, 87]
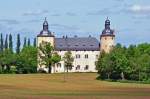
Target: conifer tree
[1, 42]
[18, 44]
[6, 42]
[34, 43]
[25, 42]
[10, 43]
[28, 41]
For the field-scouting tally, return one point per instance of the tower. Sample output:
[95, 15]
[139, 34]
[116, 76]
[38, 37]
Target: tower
[45, 35]
[107, 38]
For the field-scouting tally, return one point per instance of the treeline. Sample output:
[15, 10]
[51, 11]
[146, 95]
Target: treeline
[125, 63]
[19, 60]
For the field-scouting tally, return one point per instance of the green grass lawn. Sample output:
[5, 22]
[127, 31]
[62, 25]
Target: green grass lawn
[78, 86]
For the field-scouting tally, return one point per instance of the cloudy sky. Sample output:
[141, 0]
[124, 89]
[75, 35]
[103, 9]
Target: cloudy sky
[129, 18]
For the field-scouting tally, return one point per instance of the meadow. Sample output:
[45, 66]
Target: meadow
[77, 86]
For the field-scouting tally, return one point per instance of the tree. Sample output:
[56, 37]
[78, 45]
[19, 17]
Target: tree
[7, 59]
[46, 55]
[68, 60]
[27, 60]
[34, 42]
[28, 42]
[55, 59]
[1, 43]
[10, 43]
[6, 42]
[25, 42]
[18, 44]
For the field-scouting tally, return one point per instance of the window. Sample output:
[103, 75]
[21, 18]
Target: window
[86, 56]
[97, 56]
[77, 56]
[58, 65]
[78, 67]
[86, 67]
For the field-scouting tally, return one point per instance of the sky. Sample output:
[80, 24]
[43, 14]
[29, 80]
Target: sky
[129, 18]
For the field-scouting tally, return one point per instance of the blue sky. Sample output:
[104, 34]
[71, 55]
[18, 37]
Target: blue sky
[129, 18]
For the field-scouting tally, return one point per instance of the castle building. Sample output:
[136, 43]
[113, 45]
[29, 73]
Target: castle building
[85, 50]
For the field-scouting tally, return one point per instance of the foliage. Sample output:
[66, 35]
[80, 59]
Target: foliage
[34, 42]
[6, 42]
[47, 56]
[1, 43]
[10, 43]
[25, 42]
[132, 63]
[18, 44]
[23, 61]
[27, 60]
[28, 42]
[68, 60]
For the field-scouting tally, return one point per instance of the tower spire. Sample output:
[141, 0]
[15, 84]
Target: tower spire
[107, 24]
[45, 24]
[45, 18]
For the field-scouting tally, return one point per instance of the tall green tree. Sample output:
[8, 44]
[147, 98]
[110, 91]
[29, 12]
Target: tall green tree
[6, 42]
[7, 60]
[27, 60]
[68, 60]
[18, 44]
[55, 59]
[10, 43]
[46, 55]
[29, 42]
[1, 42]
[25, 42]
[34, 42]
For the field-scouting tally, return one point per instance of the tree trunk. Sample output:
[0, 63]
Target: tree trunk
[139, 75]
[54, 68]
[2, 67]
[122, 76]
[108, 75]
[64, 75]
[67, 69]
[49, 69]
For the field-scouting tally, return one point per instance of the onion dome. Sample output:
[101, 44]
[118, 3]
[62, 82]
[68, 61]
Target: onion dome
[107, 30]
[45, 31]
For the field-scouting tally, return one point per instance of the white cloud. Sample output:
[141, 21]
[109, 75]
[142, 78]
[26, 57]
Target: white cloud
[9, 21]
[140, 8]
[35, 13]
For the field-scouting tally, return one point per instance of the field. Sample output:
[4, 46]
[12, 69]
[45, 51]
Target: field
[77, 86]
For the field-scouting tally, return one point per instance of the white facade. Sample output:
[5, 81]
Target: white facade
[84, 61]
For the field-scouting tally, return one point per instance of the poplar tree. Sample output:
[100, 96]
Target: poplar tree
[25, 42]
[28, 42]
[6, 42]
[34, 43]
[1, 42]
[18, 44]
[10, 43]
